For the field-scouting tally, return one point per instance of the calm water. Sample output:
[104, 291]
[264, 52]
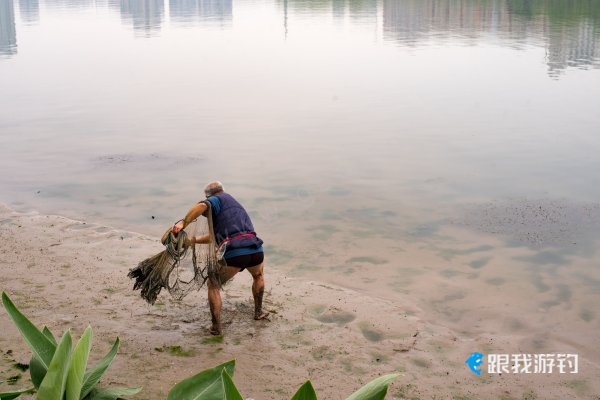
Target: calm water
[361, 134]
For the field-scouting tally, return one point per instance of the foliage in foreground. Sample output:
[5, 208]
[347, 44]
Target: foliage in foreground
[60, 372]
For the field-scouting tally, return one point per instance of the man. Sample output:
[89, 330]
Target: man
[234, 234]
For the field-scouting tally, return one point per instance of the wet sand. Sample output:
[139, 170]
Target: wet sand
[68, 274]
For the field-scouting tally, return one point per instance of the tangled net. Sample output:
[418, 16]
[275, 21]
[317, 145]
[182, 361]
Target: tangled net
[168, 269]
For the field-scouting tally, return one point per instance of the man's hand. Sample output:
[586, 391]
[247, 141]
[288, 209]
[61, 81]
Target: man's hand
[177, 227]
[194, 213]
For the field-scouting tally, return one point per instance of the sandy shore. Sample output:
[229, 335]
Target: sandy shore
[68, 274]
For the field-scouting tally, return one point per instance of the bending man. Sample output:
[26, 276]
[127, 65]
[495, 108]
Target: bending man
[234, 231]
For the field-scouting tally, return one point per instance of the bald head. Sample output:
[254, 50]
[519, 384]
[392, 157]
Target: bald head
[213, 188]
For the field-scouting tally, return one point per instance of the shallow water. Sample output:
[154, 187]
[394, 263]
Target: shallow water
[440, 150]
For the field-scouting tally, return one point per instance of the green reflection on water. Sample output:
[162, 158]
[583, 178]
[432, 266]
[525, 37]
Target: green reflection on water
[557, 11]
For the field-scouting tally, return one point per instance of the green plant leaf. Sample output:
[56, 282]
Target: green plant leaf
[374, 390]
[93, 375]
[15, 394]
[78, 364]
[37, 371]
[112, 393]
[207, 385]
[35, 339]
[49, 335]
[306, 392]
[229, 389]
[53, 385]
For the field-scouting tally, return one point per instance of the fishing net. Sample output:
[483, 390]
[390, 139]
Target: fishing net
[182, 267]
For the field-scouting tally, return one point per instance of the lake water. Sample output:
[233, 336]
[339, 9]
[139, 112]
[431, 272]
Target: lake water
[437, 150]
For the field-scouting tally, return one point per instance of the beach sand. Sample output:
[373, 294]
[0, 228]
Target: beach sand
[70, 274]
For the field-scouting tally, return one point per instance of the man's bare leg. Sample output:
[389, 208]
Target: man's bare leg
[258, 290]
[214, 298]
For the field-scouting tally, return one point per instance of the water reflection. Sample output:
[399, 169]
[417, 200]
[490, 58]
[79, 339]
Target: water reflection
[72, 4]
[8, 33]
[573, 46]
[569, 31]
[356, 9]
[146, 16]
[29, 11]
[363, 9]
[190, 12]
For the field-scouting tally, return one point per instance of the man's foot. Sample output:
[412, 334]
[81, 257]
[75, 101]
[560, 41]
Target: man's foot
[215, 329]
[261, 315]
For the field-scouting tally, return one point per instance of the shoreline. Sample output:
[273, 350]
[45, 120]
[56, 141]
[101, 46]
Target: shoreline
[68, 274]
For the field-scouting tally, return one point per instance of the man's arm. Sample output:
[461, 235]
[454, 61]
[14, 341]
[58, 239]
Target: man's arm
[191, 215]
[204, 239]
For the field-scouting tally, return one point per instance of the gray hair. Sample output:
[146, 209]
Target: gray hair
[213, 188]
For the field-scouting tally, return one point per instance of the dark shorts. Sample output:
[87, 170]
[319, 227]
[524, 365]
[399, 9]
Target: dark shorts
[246, 260]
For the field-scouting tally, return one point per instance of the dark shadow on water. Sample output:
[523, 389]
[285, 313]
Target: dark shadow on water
[480, 263]
[367, 260]
[339, 191]
[536, 279]
[496, 281]
[449, 254]
[425, 230]
[450, 273]
[304, 269]
[586, 280]
[586, 315]
[553, 228]
[370, 333]
[330, 215]
[276, 255]
[564, 292]
[544, 258]
[323, 232]
[454, 296]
